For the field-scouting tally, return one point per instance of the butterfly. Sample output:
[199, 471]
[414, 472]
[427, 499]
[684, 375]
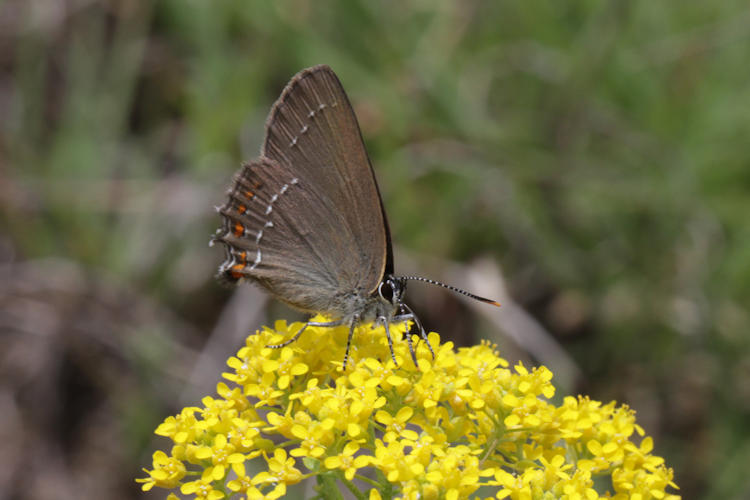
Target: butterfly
[306, 222]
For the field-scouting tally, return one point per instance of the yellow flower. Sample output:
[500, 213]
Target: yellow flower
[395, 462]
[181, 428]
[221, 455]
[285, 368]
[167, 473]
[315, 438]
[280, 469]
[395, 427]
[281, 472]
[242, 483]
[202, 488]
[441, 428]
[347, 462]
[458, 473]
[517, 487]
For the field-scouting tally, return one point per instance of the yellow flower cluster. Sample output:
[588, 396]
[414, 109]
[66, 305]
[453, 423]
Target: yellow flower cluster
[461, 425]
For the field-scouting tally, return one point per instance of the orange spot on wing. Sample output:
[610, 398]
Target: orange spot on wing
[236, 271]
[239, 229]
[241, 209]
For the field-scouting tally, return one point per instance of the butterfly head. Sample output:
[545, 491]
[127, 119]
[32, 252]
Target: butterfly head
[392, 290]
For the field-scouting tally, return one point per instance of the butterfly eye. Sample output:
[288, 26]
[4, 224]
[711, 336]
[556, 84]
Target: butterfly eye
[392, 290]
[385, 290]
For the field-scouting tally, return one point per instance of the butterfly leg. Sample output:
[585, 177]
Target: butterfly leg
[382, 320]
[297, 335]
[411, 348]
[352, 324]
[409, 315]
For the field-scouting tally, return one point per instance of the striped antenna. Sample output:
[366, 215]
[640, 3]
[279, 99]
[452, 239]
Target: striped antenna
[452, 288]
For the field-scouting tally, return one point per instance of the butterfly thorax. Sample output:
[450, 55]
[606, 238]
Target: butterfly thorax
[384, 303]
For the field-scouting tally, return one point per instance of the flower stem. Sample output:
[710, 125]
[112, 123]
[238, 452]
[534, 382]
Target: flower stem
[355, 491]
[327, 487]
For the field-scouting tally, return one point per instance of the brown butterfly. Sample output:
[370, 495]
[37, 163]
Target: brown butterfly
[306, 221]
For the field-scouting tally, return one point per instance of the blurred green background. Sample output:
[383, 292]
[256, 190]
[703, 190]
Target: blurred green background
[596, 153]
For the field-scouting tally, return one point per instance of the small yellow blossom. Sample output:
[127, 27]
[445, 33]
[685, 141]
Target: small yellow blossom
[202, 488]
[437, 428]
[347, 462]
[281, 470]
[395, 427]
[167, 472]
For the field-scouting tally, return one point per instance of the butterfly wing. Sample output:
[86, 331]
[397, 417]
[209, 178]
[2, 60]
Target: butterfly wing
[305, 220]
[313, 128]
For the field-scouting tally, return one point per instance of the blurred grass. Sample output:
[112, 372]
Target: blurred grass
[596, 150]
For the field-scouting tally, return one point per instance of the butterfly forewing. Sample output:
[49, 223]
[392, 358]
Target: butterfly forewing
[312, 131]
[305, 219]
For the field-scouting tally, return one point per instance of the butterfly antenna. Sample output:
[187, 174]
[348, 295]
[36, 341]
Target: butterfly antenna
[452, 288]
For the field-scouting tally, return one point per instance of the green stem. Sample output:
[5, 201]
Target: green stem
[355, 491]
[327, 487]
[287, 443]
[386, 487]
[365, 479]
